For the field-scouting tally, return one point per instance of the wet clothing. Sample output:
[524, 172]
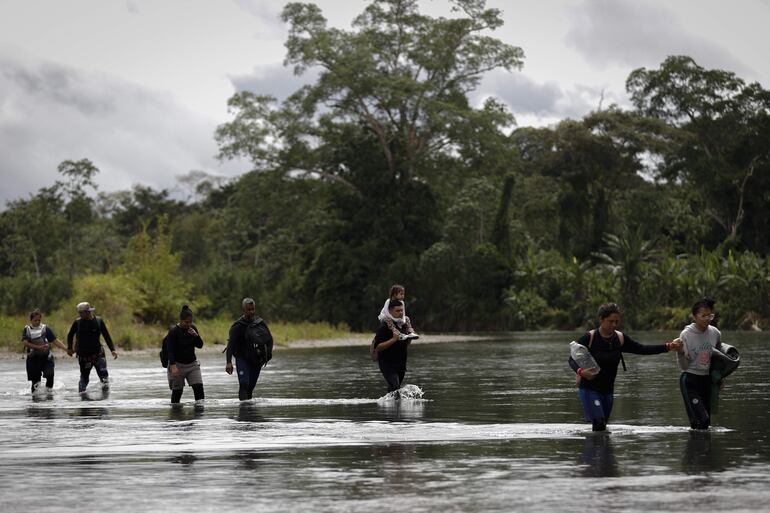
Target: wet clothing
[392, 361]
[37, 366]
[190, 372]
[251, 340]
[96, 361]
[39, 363]
[394, 379]
[248, 374]
[696, 392]
[87, 333]
[596, 395]
[597, 407]
[181, 353]
[695, 382]
[181, 345]
[251, 343]
[607, 352]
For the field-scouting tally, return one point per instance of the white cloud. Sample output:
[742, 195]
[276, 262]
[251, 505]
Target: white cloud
[50, 113]
[633, 34]
[273, 79]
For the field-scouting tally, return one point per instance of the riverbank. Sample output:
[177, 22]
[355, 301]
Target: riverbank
[350, 340]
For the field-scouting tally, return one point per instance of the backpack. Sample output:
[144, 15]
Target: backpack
[164, 352]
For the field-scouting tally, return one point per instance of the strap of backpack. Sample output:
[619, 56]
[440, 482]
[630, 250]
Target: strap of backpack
[621, 338]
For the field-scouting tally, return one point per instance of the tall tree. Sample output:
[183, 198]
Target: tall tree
[401, 74]
[78, 179]
[725, 157]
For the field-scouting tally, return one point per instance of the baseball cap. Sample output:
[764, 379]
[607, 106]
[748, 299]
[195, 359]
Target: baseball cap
[84, 307]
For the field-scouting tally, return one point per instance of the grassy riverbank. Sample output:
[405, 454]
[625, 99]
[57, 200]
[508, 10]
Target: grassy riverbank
[129, 335]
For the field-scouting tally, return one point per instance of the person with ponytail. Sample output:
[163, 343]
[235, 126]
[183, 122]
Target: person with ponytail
[181, 340]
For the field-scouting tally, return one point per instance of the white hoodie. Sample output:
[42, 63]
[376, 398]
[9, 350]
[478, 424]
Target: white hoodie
[385, 314]
[697, 349]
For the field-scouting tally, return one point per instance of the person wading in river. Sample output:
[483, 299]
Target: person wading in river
[181, 341]
[391, 348]
[607, 345]
[251, 343]
[694, 360]
[87, 330]
[37, 339]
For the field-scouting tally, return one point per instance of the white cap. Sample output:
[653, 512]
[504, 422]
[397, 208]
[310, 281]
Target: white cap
[84, 307]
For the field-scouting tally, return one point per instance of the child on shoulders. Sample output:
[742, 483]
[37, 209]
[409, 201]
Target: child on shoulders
[397, 292]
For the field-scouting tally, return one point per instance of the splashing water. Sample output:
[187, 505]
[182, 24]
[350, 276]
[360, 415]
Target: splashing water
[405, 392]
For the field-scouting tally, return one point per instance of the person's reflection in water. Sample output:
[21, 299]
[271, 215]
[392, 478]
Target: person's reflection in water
[702, 454]
[252, 460]
[41, 413]
[185, 459]
[97, 396]
[248, 412]
[177, 412]
[598, 457]
[394, 463]
[92, 412]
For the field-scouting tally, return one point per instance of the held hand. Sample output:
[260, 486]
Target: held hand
[174, 370]
[677, 345]
[70, 352]
[589, 374]
[229, 368]
[114, 355]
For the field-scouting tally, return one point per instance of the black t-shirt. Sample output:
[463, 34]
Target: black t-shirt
[606, 352]
[88, 332]
[181, 345]
[394, 357]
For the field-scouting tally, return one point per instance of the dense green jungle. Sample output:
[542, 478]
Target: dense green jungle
[381, 170]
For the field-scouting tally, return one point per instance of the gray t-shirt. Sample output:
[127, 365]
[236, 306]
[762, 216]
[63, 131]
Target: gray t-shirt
[697, 349]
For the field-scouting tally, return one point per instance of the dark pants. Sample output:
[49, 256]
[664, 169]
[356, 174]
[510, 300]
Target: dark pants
[37, 366]
[696, 392]
[98, 362]
[393, 377]
[597, 407]
[248, 374]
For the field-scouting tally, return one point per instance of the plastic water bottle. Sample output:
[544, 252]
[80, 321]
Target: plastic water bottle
[582, 356]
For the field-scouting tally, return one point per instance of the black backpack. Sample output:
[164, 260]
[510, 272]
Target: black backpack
[164, 352]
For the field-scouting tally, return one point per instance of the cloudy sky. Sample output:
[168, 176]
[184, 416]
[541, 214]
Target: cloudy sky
[139, 86]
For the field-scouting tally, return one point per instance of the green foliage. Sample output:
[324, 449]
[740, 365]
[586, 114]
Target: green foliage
[154, 272]
[381, 170]
[721, 146]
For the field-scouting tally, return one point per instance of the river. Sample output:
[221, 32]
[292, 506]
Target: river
[490, 426]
